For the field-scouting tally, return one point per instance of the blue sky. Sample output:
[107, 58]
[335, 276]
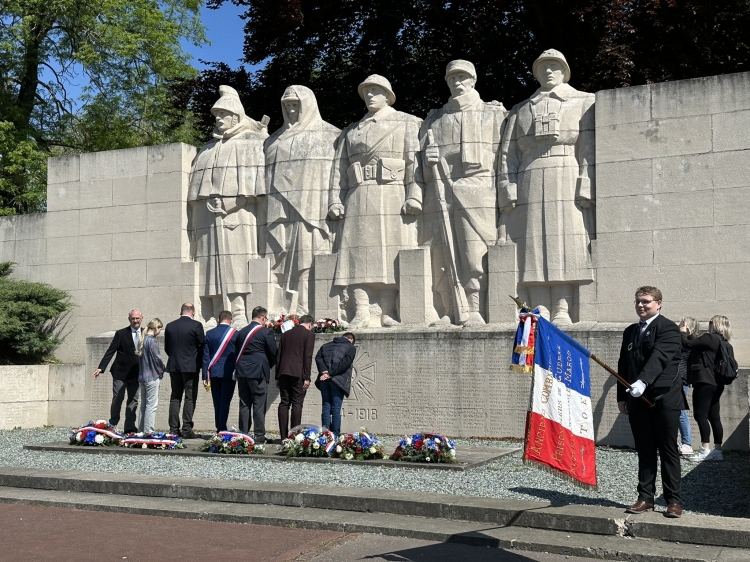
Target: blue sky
[224, 31]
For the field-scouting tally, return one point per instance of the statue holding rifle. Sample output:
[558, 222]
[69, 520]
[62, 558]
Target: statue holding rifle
[460, 151]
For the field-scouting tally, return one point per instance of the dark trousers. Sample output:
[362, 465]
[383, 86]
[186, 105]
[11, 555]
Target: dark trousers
[119, 389]
[253, 394]
[222, 392]
[291, 393]
[655, 429]
[707, 411]
[187, 384]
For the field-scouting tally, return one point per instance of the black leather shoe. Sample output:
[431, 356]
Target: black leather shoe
[640, 507]
[190, 435]
[674, 510]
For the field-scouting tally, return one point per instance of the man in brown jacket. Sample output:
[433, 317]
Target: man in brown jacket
[293, 363]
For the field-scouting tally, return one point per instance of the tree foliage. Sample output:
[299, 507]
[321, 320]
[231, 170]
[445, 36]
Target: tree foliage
[127, 54]
[27, 315]
[331, 45]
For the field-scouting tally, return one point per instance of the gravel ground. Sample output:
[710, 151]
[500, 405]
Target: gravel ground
[711, 488]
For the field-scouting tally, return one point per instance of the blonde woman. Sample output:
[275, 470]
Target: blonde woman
[691, 325]
[150, 373]
[707, 390]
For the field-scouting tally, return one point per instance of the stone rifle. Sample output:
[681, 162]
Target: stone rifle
[461, 305]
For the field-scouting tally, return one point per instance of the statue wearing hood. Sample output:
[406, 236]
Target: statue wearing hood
[546, 187]
[299, 156]
[226, 181]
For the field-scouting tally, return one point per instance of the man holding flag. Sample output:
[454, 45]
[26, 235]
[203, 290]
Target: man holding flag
[649, 358]
[218, 366]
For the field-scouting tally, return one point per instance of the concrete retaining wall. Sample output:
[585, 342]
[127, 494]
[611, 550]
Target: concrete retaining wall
[456, 382]
[37, 395]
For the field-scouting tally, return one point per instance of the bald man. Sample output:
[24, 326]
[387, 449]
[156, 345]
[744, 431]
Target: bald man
[124, 371]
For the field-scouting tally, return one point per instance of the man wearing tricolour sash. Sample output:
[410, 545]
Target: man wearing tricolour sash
[255, 356]
[218, 365]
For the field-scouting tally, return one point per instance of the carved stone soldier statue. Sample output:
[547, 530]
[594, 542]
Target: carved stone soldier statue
[374, 191]
[547, 176]
[460, 144]
[226, 180]
[299, 157]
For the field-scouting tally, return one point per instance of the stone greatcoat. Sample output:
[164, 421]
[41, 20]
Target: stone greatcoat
[548, 156]
[231, 166]
[467, 133]
[374, 173]
[298, 172]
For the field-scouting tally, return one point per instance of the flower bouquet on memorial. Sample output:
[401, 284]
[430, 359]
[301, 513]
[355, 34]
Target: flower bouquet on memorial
[153, 440]
[327, 326]
[425, 447]
[98, 434]
[274, 324]
[232, 443]
[308, 441]
[360, 446]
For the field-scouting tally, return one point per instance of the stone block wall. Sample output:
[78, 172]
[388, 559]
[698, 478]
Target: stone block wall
[673, 200]
[114, 236]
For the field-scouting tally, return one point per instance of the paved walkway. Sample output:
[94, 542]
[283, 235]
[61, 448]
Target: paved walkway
[40, 534]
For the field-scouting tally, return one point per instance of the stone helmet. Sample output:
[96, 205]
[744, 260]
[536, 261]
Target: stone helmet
[229, 100]
[377, 80]
[555, 55]
[460, 66]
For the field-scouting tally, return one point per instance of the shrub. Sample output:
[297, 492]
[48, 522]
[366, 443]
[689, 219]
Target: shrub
[28, 315]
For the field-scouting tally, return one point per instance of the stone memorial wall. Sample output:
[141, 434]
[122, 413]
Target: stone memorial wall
[415, 231]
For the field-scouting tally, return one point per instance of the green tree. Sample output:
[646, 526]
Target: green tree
[128, 55]
[28, 312]
[331, 45]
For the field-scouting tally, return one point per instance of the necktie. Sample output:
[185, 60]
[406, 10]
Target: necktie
[641, 325]
[136, 337]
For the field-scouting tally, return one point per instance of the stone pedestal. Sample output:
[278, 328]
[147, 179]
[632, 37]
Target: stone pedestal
[415, 300]
[325, 303]
[262, 288]
[502, 281]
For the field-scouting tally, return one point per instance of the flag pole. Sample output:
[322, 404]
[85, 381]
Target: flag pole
[606, 367]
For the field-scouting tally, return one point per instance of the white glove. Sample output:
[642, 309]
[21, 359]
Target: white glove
[637, 388]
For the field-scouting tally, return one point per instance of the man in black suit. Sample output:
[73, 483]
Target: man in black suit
[124, 371]
[183, 343]
[293, 368]
[256, 355]
[649, 358]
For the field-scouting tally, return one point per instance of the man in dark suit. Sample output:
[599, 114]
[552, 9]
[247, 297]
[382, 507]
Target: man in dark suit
[124, 371]
[293, 363]
[649, 358]
[183, 343]
[256, 355]
[218, 365]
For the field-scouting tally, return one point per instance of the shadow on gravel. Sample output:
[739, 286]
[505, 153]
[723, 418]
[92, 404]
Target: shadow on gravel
[718, 488]
[459, 547]
[558, 499]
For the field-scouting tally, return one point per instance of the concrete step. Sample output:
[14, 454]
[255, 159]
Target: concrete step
[443, 530]
[586, 519]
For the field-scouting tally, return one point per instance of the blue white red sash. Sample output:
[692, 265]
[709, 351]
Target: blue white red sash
[247, 341]
[222, 346]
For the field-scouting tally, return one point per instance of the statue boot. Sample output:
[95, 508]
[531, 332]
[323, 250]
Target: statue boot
[388, 299]
[562, 296]
[475, 319]
[362, 309]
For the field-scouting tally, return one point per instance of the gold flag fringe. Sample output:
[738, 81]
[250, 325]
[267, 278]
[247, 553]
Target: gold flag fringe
[554, 472]
[521, 368]
[528, 350]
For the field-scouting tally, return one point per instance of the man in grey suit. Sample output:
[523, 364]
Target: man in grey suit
[183, 343]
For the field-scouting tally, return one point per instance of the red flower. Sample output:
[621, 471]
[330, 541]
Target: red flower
[418, 445]
[440, 454]
[306, 443]
[359, 450]
[399, 453]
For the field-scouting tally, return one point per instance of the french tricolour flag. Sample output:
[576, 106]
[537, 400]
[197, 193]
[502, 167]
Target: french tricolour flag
[559, 424]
